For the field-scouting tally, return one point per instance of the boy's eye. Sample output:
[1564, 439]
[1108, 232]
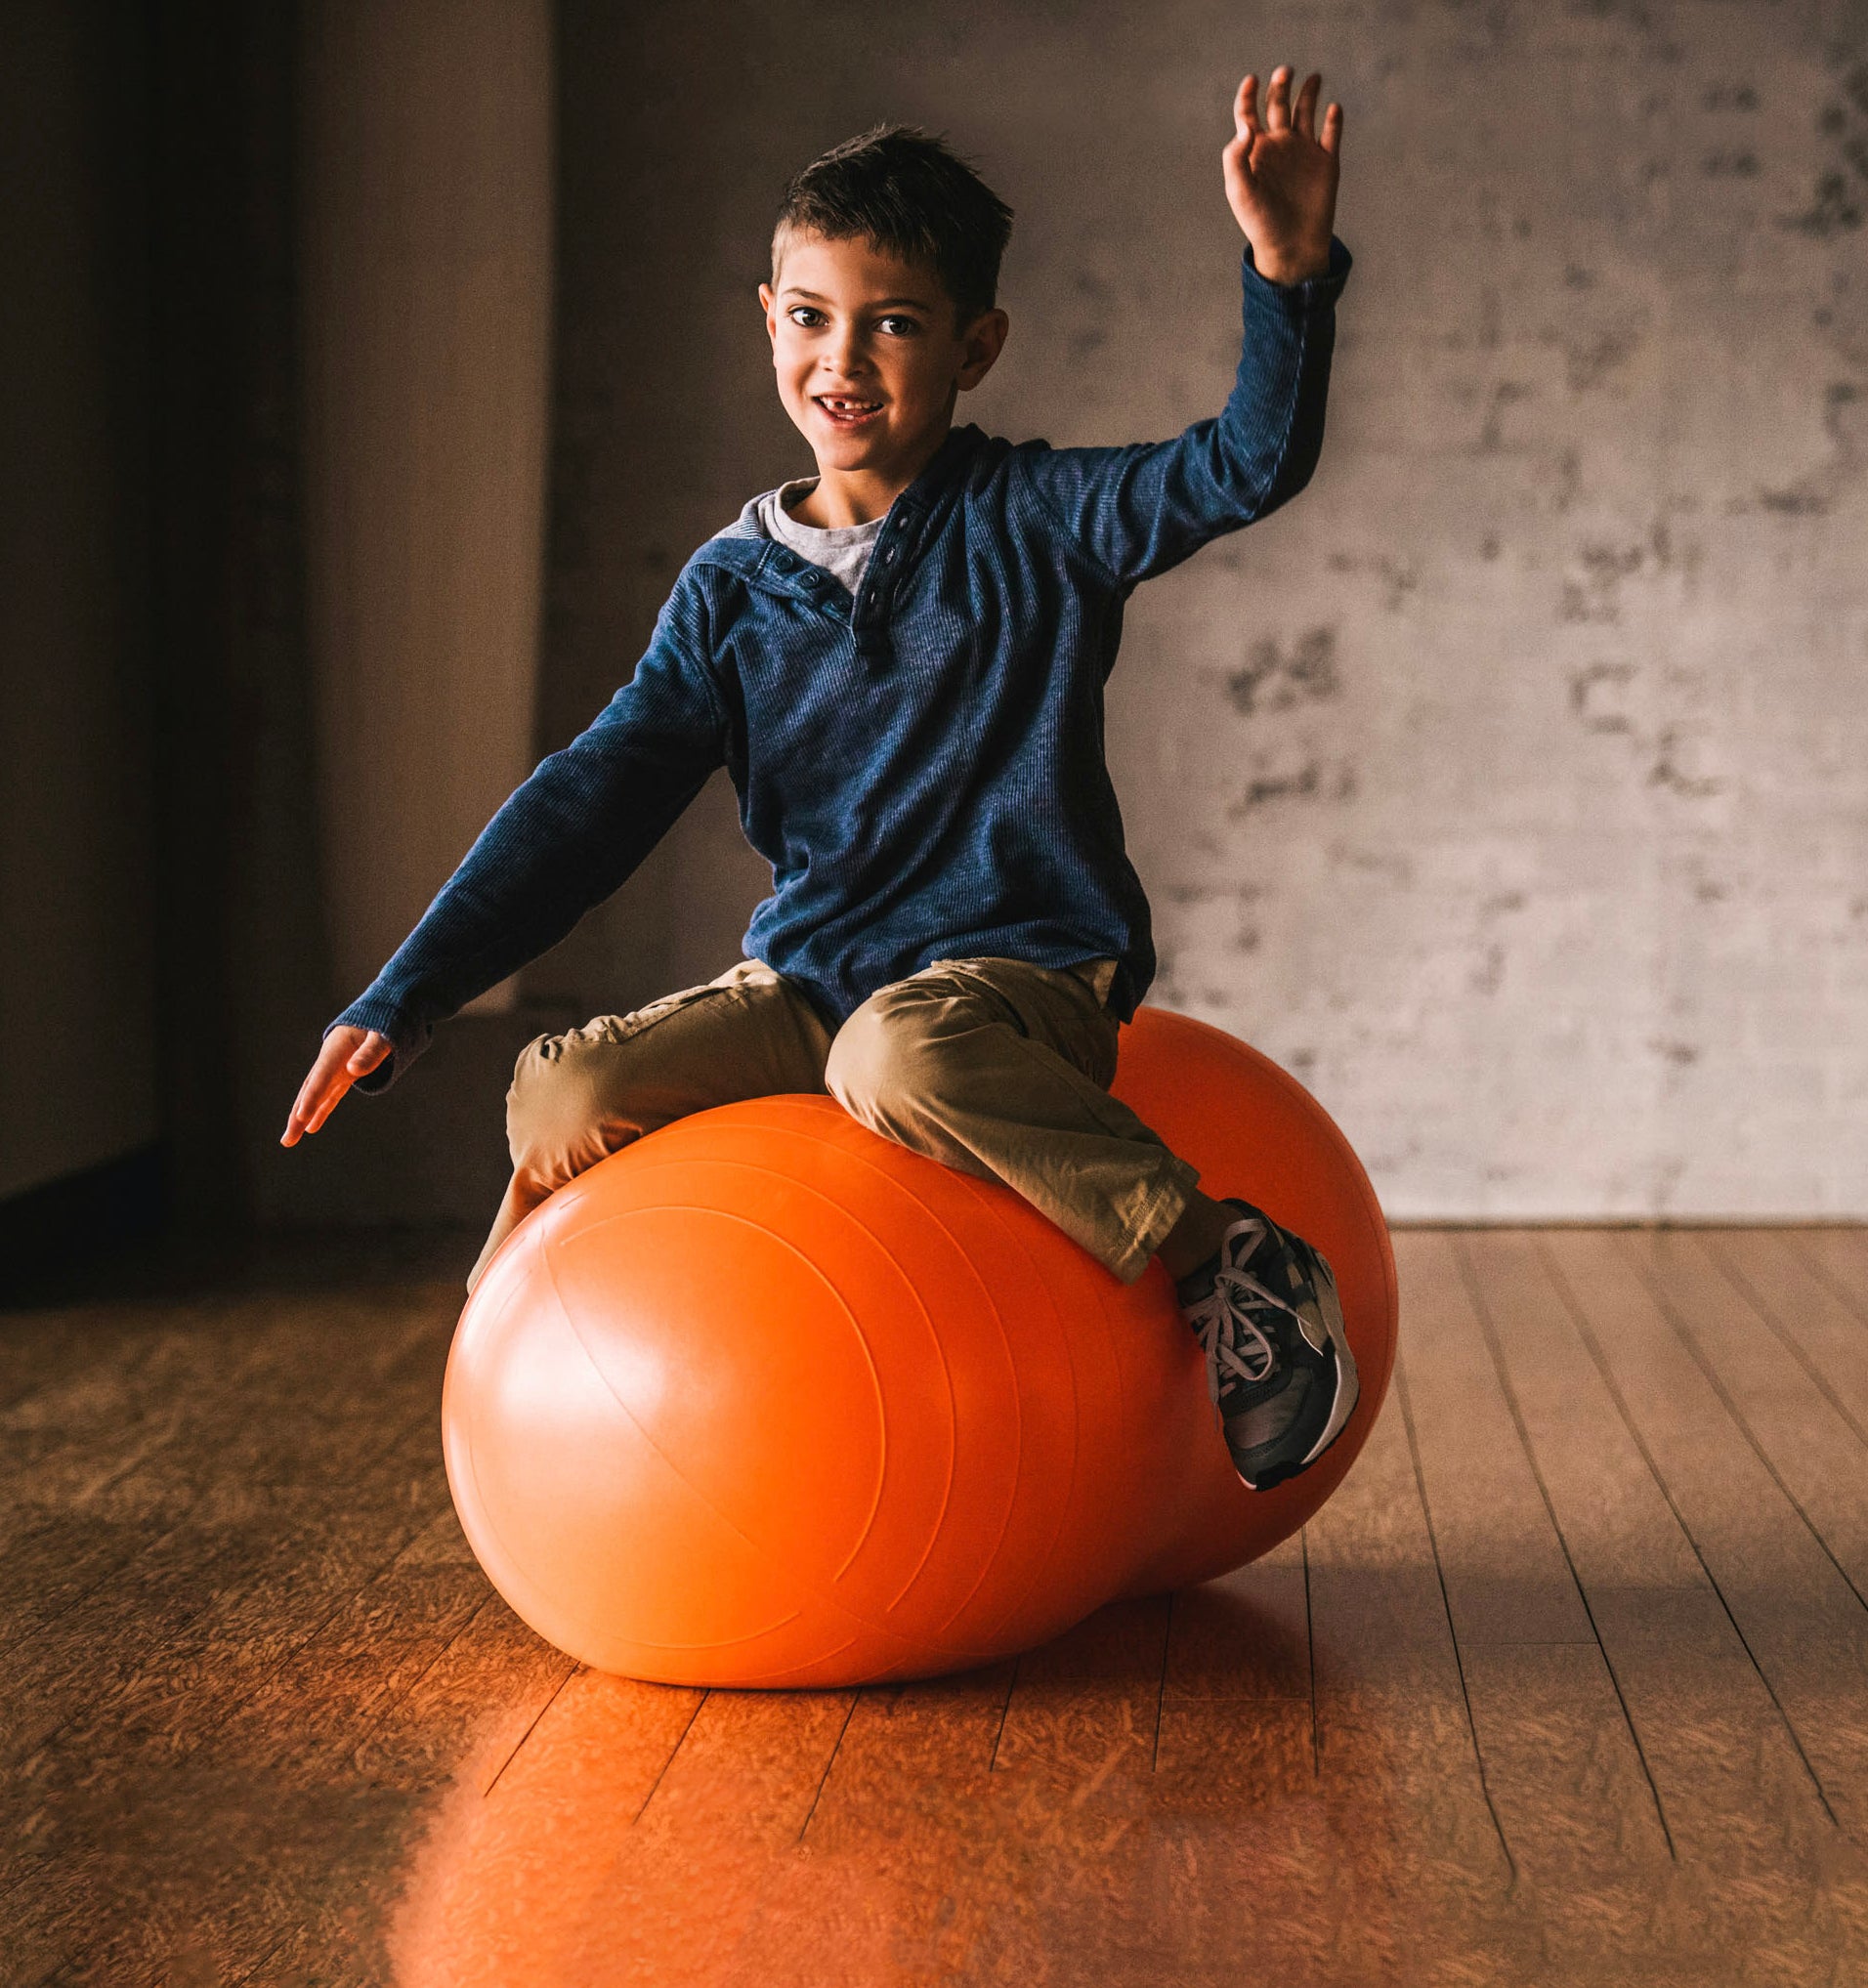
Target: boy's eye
[807, 319]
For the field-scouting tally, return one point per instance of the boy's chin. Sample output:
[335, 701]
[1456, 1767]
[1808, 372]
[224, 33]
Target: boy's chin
[851, 451]
[849, 454]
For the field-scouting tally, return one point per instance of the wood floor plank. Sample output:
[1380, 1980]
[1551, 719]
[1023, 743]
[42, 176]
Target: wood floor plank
[185, 1624]
[514, 1881]
[1508, 1578]
[1805, 1627]
[1260, 1751]
[48, 1347]
[1736, 1792]
[1801, 1428]
[970, 1872]
[1400, 1762]
[1840, 1255]
[1090, 1696]
[319, 1703]
[1617, 1526]
[895, 1857]
[446, 1743]
[1569, 1784]
[65, 1450]
[44, 1342]
[1236, 1701]
[1074, 1856]
[910, 1750]
[1375, 1865]
[1777, 1272]
[1246, 1635]
[473, 1711]
[1562, 1767]
[746, 1776]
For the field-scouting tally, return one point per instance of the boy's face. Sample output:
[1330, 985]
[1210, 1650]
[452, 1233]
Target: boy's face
[868, 354]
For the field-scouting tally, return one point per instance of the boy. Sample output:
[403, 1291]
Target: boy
[900, 662]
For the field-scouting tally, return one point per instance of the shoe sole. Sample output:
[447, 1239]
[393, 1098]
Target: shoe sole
[1348, 1383]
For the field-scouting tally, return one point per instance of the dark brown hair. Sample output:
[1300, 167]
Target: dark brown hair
[911, 198]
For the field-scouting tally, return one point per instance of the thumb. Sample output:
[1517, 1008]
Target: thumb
[368, 1054]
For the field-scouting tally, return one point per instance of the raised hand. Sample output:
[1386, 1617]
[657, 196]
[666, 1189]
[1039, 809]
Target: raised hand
[347, 1053]
[1281, 179]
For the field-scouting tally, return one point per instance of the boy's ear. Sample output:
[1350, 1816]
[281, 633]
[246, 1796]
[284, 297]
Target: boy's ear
[984, 340]
[766, 299]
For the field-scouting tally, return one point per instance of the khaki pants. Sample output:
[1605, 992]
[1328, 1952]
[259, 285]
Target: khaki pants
[996, 1067]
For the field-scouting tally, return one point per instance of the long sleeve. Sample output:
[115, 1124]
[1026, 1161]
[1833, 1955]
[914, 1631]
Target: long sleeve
[560, 843]
[1140, 509]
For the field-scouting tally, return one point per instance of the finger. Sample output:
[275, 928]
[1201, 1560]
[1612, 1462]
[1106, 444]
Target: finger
[317, 1105]
[327, 1099]
[301, 1112]
[306, 1116]
[1245, 108]
[1234, 166]
[368, 1054]
[1333, 130]
[327, 1083]
[1304, 115]
[1278, 98]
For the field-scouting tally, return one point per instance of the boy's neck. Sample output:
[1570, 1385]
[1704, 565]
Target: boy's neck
[856, 497]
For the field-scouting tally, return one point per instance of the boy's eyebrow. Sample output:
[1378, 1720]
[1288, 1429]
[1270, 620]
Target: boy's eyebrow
[920, 303]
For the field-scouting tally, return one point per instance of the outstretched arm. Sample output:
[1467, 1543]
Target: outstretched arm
[562, 842]
[1140, 509]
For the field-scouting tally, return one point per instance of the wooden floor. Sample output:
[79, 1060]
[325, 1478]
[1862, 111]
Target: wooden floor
[1569, 1682]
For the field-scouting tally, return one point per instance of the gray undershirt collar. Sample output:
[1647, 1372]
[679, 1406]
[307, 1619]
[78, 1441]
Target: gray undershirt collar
[841, 549]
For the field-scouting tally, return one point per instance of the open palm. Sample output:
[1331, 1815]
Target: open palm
[1281, 178]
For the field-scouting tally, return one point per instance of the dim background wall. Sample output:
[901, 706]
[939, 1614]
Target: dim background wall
[77, 1030]
[1507, 787]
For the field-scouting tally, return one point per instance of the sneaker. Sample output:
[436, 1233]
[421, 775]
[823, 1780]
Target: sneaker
[1278, 1369]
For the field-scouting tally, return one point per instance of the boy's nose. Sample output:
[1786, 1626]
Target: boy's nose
[845, 357]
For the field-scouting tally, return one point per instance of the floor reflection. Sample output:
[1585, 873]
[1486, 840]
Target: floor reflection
[1086, 1828]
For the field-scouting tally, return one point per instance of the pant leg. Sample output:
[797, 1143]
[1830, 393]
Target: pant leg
[1001, 1068]
[578, 1097]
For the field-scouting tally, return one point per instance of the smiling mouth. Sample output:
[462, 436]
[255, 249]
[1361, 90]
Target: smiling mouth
[844, 411]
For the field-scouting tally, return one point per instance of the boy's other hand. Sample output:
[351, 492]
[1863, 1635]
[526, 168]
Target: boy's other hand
[348, 1054]
[1281, 179]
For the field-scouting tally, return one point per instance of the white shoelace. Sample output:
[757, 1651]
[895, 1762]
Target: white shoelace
[1227, 1331]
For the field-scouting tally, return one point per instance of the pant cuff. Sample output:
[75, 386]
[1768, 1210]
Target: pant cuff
[1152, 1227]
